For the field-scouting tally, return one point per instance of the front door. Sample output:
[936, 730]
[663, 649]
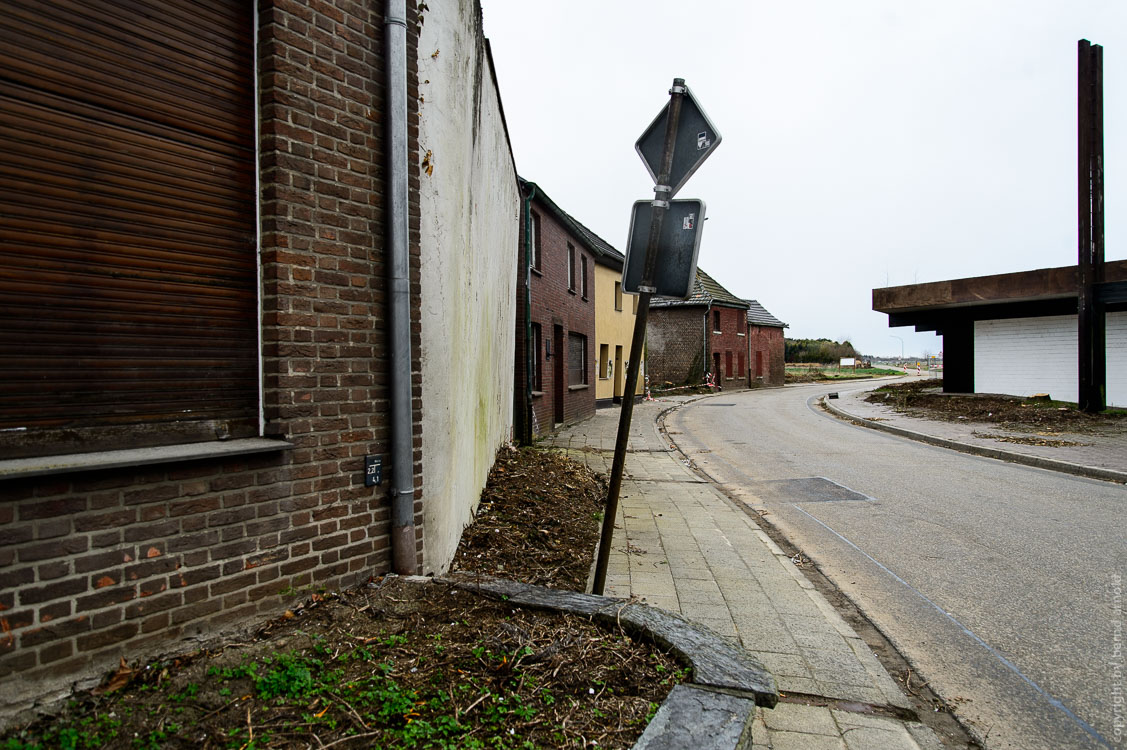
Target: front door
[559, 387]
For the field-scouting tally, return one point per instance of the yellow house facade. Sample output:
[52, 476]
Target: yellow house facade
[614, 328]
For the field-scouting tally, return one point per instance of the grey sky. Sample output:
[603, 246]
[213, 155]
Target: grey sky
[865, 143]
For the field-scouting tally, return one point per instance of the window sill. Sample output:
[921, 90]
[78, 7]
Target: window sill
[571, 291]
[717, 333]
[581, 387]
[537, 394]
[536, 271]
[741, 334]
[69, 463]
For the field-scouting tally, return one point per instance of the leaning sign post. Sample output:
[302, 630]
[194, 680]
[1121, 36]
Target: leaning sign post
[675, 144]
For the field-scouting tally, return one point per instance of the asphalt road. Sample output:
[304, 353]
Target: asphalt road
[1001, 584]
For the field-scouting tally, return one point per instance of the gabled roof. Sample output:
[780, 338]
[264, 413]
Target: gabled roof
[705, 291]
[602, 250]
[757, 315]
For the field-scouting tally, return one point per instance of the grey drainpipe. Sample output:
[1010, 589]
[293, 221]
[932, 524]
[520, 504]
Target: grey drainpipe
[707, 332]
[529, 355]
[403, 553]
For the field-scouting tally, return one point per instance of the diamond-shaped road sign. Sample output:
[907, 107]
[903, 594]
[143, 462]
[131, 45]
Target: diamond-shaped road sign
[677, 247]
[696, 139]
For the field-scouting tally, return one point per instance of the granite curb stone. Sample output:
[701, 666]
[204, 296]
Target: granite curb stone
[1067, 467]
[693, 717]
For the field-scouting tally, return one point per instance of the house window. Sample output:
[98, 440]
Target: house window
[576, 359]
[727, 364]
[536, 255]
[537, 359]
[604, 361]
[716, 321]
[583, 276]
[571, 267]
[740, 372]
[618, 295]
[759, 364]
[129, 311]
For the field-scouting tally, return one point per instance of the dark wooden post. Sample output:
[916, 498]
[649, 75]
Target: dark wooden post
[1090, 267]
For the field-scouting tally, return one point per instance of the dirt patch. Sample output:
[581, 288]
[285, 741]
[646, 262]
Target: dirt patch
[398, 663]
[538, 521]
[1042, 416]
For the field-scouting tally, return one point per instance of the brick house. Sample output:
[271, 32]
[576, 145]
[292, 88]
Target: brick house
[554, 361]
[703, 333]
[765, 347]
[194, 319]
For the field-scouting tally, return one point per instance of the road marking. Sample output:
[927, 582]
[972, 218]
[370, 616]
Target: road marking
[1009, 665]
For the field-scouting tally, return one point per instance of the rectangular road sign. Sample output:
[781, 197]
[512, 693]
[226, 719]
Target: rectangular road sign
[677, 248]
[696, 139]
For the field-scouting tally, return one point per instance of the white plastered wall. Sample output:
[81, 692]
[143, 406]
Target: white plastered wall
[469, 207]
[1023, 356]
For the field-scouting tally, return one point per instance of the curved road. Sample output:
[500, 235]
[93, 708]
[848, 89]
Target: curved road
[1001, 584]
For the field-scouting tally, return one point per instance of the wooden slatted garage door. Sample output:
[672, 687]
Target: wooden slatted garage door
[128, 311]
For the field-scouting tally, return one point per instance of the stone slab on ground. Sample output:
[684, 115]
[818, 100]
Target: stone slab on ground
[692, 717]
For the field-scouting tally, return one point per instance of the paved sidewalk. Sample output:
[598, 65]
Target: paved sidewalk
[681, 545]
[1102, 456]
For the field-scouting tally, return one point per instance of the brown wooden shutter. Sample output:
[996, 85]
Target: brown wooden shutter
[128, 311]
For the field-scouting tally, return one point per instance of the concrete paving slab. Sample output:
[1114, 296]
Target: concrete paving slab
[683, 546]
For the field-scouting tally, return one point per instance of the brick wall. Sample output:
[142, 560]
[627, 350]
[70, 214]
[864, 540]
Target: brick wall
[553, 304]
[326, 357]
[767, 341]
[728, 341]
[134, 561]
[673, 345]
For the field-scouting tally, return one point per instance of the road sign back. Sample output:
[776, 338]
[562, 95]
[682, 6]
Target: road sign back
[697, 138]
[677, 247]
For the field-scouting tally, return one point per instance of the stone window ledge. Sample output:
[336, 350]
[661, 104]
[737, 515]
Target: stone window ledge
[48, 465]
[582, 387]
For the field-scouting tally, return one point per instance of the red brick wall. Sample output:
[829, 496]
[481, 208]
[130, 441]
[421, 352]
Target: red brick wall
[768, 341]
[96, 565]
[727, 343]
[553, 304]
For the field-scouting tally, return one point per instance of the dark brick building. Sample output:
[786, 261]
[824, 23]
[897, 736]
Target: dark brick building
[227, 356]
[765, 347]
[555, 339]
[704, 333]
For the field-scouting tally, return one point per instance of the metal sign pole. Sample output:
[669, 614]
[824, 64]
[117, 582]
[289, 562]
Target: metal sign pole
[662, 196]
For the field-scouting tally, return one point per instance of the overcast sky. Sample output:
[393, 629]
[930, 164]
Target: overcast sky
[866, 143]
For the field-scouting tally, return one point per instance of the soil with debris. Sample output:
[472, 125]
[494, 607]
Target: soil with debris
[1041, 416]
[399, 663]
[538, 521]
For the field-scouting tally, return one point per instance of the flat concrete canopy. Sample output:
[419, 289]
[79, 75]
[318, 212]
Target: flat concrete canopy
[1045, 291]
